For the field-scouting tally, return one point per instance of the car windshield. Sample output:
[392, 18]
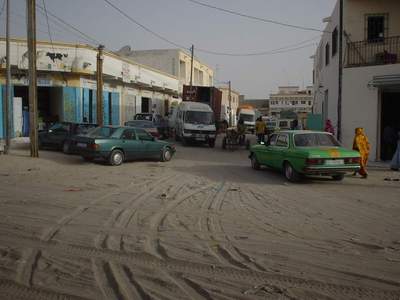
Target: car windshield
[59, 126]
[140, 123]
[199, 117]
[101, 132]
[315, 140]
[247, 117]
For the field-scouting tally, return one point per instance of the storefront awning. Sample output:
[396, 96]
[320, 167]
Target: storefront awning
[385, 81]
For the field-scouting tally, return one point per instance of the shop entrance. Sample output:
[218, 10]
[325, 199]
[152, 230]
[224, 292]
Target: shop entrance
[49, 106]
[390, 123]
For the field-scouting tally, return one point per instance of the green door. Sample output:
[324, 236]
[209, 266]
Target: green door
[147, 143]
[279, 150]
[131, 145]
[265, 155]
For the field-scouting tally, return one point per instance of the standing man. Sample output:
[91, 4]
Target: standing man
[260, 130]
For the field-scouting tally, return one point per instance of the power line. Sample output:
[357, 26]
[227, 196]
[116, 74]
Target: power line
[87, 37]
[269, 52]
[280, 50]
[144, 27]
[232, 12]
[48, 25]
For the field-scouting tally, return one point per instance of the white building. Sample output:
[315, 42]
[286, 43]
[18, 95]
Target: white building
[175, 62]
[67, 85]
[371, 70]
[291, 98]
[229, 106]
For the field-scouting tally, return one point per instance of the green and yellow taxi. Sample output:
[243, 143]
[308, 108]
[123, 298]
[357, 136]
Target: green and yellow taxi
[116, 144]
[300, 153]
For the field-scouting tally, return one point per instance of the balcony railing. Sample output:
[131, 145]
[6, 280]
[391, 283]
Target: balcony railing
[369, 53]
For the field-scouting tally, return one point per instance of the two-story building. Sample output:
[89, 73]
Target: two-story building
[67, 85]
[291, 99]
[176, 62]
[230, 105]
[362, 89]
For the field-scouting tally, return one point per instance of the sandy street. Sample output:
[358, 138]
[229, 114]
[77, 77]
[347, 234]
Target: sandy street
[203, 226]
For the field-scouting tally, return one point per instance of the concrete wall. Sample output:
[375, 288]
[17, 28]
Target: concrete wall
[326, 76]
[197, 65]
[164, 60]
[361, 103]
[355, 11]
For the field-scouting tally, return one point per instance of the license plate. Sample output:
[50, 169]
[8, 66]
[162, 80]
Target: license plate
[331, 162]
[81, 145]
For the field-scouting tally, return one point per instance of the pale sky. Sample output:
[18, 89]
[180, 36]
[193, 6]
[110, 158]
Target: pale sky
[186, 23]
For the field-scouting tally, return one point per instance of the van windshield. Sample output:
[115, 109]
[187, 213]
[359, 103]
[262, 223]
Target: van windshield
[199, 117]
[247, 117]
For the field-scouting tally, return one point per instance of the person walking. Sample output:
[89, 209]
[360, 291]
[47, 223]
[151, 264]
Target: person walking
[260, 130]
[361, 144]
[395, 164]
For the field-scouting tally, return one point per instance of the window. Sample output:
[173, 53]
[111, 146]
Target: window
[182, 70]
[327, 54]
[309, 102]
[303, 102]
[325, 105]
[143, 135]
[376, 27]
[272, 140]
[334, 42]
[128, 134]
[282, 140]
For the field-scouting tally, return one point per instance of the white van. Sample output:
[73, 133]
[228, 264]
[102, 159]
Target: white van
[195, 122]
[249, 118]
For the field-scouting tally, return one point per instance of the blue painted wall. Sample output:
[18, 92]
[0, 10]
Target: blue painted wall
[10, 111]
[115, 108]
[106, 111]
[72, 104]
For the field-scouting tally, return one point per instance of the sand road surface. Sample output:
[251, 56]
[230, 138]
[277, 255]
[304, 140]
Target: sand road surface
[203, 226]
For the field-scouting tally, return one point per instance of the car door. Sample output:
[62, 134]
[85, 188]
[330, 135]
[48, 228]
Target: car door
[146, 142]
[265, 154]
[278, 151]
[131, 145]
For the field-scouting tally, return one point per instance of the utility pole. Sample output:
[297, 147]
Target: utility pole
[191, 67]
[6, 103]
[340, 83]
[33, 107]
[230, 103]
[99, 92]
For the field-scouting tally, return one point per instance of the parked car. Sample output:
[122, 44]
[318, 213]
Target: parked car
[159, 122]
[298, 153]
[146, 125]
[116, 144]
[60, 135]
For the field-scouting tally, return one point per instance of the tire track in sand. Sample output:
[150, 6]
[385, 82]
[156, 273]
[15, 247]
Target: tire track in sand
[245, 277]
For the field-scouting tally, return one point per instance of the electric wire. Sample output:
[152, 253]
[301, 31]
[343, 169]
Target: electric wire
[232, 12]
[261, 53]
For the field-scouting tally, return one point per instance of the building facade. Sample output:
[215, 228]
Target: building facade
[67, 85]
[229, 106]
[261, 105]
[175, 62]
[370, 89]
[291, 99]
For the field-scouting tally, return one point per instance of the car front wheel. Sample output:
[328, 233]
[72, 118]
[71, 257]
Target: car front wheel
[254, 163]
[166, 155]
[290, 173]
[116, 157]
[66, 147]
[338, 177]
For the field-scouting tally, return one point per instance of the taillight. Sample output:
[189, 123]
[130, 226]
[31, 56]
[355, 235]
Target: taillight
[352, 160]
[314, 161]
[94, 146]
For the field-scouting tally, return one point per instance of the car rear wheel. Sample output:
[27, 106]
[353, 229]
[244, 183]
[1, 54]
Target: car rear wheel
[290, 173]
[166, 154]
[254, 162]
[66, 147]
[338, 177]
[116, 157]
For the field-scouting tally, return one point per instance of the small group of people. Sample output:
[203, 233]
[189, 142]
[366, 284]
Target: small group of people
[362, 145]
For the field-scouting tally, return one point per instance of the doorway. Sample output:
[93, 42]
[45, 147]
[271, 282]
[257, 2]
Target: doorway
[145, 105]
[390, 123]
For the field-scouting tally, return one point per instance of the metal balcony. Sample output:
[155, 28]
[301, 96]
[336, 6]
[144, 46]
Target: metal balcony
[370, 53]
